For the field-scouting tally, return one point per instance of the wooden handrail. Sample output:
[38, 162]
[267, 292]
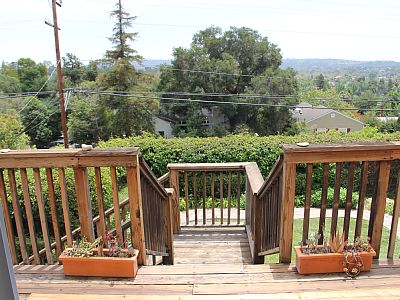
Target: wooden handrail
[273, 174]
[212, 167]
[254, 177]
[163, 179]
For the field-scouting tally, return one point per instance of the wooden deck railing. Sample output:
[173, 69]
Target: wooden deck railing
[41, 189]
[370, 164]
[211, 193]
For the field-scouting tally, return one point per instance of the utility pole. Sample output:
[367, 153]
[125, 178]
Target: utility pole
[59, 73]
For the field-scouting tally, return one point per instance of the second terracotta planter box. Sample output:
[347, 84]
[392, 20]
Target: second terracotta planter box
[101, 266]
[327, 262]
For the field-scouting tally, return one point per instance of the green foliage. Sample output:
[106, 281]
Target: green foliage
[236, 51]
[31, 75]
[73, 68]
[41, 121]
[12, 134]
[158, 152]
[316, 198]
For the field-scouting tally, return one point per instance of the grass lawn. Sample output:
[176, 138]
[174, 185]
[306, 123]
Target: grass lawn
[298, 231]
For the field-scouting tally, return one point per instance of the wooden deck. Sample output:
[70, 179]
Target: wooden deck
[211, 263]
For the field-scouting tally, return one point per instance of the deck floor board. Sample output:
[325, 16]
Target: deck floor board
[211, 262]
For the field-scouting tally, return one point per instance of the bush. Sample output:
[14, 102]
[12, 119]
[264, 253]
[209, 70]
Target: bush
[316, 199]
[159, 152]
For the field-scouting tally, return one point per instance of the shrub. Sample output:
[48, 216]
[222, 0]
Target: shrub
[316, 199]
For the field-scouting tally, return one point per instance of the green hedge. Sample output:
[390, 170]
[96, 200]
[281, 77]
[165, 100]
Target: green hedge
[158, 152]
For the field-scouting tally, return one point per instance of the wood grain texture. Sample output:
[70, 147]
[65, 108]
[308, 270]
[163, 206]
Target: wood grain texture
[117, 211]
[100, 202]
[395, 221]
[336, 197]
[53, 211]
[307, 202]
[361, 198]
[349, 199]
[42, 215]
[65, 205]
[324, 196]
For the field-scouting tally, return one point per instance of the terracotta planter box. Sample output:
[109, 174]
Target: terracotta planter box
[327, 262]
[101, 266]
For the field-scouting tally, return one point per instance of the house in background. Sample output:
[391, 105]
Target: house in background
[163, 126]
[320, 118]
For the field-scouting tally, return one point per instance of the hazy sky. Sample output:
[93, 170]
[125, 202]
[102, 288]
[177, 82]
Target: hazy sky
[348, 29]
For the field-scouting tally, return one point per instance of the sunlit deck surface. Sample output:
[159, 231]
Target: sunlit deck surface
[211, 263]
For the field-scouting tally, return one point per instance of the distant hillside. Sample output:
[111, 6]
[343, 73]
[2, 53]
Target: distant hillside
[378, 68]
[151, 64]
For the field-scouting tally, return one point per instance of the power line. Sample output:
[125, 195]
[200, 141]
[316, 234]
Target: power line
[255, 96]
[242, 103]
[25, 95]
[37, 93]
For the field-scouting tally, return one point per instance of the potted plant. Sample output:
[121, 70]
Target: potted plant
[104, 257]
[337, 256]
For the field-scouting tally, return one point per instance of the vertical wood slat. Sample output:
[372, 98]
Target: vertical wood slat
[187, 197]
[42, 214]
[307, 202]
[100, 202]
[174, 183]
[53, 211]
[287, 211]
[324, 195]
[229, 196]
[204, 196]
[136, 211]
[395, 221]
[361, 199]
[373, 201]
[65, 205]
[29, 215]
[381, 191]
[221, 195]
[84, 203]
[238, 204]
[195, 197]
[336, 198]
[349, 199]
[212, 199]
[168, 230]
[17, 216]
[117, 214]
[7, 219]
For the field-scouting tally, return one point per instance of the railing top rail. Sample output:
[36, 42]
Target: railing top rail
[208, 166]
[342, 152]
[254, 176]
[148, 173]
[275, 171]
[48, 158]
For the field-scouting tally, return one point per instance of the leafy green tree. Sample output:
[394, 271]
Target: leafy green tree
[229, 63]
[32, 76]
[12, 134]
[9, 81]
[41, 122]
[91, 71]
[320, 82]
[88, 121]
[73, 69]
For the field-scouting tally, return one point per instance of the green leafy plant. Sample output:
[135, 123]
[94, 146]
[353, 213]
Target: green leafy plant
[83, 248]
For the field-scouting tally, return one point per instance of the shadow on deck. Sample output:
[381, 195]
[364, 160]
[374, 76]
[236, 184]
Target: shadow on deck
[210, 262]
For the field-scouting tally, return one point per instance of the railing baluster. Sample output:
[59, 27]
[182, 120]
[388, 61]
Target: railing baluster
[29, 215]
[169, 237]
[221, 195]
[361, 199]
[100, 201]
[307, 202]
[17, 216]
[349, 197]
[187, 197]
[7, 219]
[65, 205]
[204, 197]
[381, 192]
[229, 196]
[212, 199]
[42, 215]
[324, 195]
[117, 213]
[195, 197]
[238, 199]
[395, 221]
[53, 211]
[174, 183]
[336, 198]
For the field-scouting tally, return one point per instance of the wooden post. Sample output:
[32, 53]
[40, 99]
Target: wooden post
[84, 203]
[287, 212]
[168, 228]
[258, 232]
[381, 191]
[136, 210]
[174, 183]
